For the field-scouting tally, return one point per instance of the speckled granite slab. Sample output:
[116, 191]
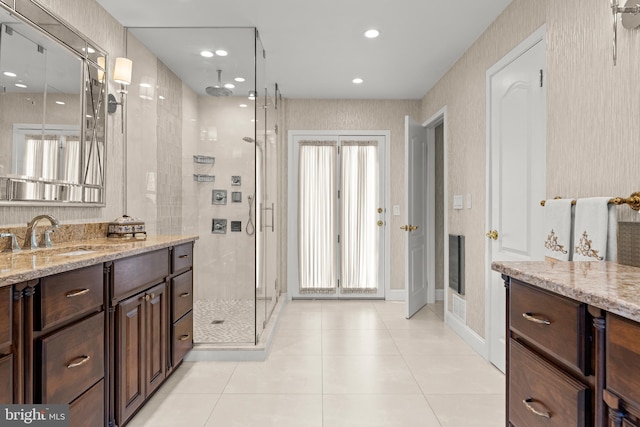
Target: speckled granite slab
[27, 265]
[606, 285]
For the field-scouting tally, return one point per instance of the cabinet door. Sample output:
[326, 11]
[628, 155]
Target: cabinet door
[6, 385]
[130, 357]
[156, 336]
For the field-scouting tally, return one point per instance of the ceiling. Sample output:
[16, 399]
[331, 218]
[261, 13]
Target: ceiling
[315, 49]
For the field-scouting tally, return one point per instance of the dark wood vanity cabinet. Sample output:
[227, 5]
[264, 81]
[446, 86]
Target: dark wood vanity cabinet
[101, 338]
[152, 298]
[549, 359]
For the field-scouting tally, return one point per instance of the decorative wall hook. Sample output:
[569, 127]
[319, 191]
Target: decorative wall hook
[630, 20]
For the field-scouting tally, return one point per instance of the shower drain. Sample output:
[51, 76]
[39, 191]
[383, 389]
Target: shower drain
[217, 322]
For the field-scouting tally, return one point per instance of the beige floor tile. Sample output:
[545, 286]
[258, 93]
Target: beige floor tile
[300, 320]
[199, 377]
[367, 375]
[347, 306]
[296, 341]
[356, 319]
[469, 410]
[267, 410]
[465, 374]
[304, 306]
[443, 342]
[175, 409]
[278, 374]
[358, 342]
[377, 410]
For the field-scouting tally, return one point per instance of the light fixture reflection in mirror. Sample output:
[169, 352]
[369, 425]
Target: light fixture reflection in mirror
[121, 74]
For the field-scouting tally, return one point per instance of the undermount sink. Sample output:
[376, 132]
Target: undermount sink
[78, 252]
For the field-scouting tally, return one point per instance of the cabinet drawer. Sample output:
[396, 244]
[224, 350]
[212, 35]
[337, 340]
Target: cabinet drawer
[536, 385]
[182, 338]
[623, 358]
[182, 257]
[5, 317]
[69, 295]
[181, 295]
[71, 360]
[555, 324]
[130, 274]
[88, 409]
[6, 384]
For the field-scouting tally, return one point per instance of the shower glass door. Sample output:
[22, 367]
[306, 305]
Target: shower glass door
[340, 217]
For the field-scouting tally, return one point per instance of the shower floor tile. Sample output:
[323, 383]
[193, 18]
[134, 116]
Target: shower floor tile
[224, 321]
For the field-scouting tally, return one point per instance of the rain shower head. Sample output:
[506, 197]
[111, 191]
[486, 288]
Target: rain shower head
[218, 90]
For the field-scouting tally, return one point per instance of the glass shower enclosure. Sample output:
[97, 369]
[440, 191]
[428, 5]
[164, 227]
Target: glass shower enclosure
[229, 174]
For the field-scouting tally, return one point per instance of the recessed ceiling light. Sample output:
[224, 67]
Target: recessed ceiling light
[243, 105]
[21, 85]
[357, 80]
[206, 53]
[161, 97]
[239, 79]
[372, 33]
[145, 85]
[9, 74]
[229, 85]
[60, 102]
[221, 52]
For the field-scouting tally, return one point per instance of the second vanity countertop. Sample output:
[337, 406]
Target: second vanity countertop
[607, 285]
[27, 265]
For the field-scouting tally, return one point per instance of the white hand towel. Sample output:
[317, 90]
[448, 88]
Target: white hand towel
[558, 229]
[595, 230]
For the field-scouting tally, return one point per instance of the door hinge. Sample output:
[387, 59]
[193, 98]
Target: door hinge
[541, 77]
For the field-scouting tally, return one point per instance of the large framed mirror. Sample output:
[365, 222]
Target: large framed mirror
[52, 111]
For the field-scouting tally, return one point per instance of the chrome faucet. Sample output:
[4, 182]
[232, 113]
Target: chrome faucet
[30, 238]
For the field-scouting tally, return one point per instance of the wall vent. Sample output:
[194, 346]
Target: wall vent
[459, 308]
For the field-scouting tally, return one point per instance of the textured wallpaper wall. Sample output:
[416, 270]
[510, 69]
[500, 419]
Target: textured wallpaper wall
[592, 134]
[324, 114]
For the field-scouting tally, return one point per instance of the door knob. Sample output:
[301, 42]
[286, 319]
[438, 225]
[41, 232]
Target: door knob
[409, 227]
[379, 210]
[492, 234]
[380, 223]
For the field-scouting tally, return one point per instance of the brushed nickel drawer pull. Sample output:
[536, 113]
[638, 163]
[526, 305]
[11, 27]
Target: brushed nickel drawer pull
[527, 403]
[183, 256]
[184, 337]
[531, 318]
[79, 361]
[77, 292]
[185, 294]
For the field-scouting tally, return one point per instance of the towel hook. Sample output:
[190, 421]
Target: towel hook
[630, 19]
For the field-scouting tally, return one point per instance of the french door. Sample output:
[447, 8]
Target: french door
[337, 216]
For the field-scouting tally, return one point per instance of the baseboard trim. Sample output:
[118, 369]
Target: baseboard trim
[395, 295]
[469, 336]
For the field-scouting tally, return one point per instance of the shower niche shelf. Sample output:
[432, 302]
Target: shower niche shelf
[205, 160]
[198, 177]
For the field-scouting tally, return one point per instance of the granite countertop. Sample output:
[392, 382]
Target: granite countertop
[27, 265]
[607, 285]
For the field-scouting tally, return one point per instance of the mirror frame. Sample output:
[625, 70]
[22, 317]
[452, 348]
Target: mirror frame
[56, 193]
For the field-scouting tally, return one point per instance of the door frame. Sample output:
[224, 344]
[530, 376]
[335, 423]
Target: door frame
[440, 117]
[292, 233]
[533, 39]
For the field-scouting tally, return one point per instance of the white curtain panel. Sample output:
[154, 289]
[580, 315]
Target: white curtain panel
[317, 228]
[359, 232]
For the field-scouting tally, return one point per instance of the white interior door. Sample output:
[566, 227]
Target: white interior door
[419, 229]
[517, 175]
[337, 216]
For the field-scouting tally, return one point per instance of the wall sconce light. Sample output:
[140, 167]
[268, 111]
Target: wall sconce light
[630, 20]
[121, 74]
